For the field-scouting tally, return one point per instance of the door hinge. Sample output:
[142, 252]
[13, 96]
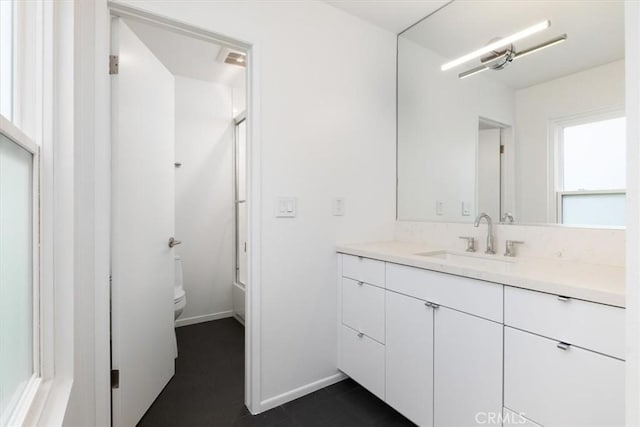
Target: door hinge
[502, 149]
[113, 64]
[115, 378]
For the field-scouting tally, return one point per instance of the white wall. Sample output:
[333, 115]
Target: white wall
[204, 196]
[326, 128]
[438, 132]
[590, 90]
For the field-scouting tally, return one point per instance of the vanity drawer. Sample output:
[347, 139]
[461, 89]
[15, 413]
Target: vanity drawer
[363, 360]
[363, 269]
[596, 327]
[555, 387]
[477, 297]
[363, 308]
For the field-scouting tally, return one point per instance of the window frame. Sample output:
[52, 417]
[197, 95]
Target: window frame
[20, 409]
[556, 172]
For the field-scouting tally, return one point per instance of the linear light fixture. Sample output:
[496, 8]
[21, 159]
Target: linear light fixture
[552, 42]
[497, 44]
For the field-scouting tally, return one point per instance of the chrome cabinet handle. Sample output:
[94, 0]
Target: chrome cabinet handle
[563, 345]
[173, 242]
[563, 298]
[435, 306]
[360, 334]
[360, 283]
[428, 304]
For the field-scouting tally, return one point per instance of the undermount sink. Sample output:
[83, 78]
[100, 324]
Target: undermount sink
[469, 259]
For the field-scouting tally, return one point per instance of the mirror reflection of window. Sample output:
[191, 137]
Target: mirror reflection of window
[592, 172]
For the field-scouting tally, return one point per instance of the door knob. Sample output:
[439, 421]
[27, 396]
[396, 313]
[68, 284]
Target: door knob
[173, 242]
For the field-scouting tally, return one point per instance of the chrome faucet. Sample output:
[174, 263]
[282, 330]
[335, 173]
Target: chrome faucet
[479, 218]
[507, 216]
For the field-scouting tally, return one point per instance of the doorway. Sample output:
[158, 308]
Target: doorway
[179, 231]
[494, 170]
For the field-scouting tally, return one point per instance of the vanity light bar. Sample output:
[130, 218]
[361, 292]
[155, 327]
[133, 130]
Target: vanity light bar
[544, 45]
[554, 41]
[497, 44]
[485, 66]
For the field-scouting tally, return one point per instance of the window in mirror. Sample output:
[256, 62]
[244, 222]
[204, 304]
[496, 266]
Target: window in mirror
[592, 172]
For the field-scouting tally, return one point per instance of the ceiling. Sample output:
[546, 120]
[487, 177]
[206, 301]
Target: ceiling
[392, 15]
[188, 56]
[595, 32]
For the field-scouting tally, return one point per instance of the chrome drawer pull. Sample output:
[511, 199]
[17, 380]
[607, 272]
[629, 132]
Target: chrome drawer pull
[563, 346]
[360, 283]
[360, 334]
[428, 304]
[435, 306]
[563, 298]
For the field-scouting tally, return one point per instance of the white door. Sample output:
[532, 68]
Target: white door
[143, 222]
[409, 357]
[467, 369]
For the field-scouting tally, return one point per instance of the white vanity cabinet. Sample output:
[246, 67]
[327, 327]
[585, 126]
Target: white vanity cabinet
[563, 360]
[446, 350]
[444, 355]
[362, 322]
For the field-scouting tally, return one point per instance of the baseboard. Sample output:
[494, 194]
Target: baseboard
[203, 318]
[283, 398]
[239, 318]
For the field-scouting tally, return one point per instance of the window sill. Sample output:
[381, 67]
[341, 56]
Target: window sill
[49, 403]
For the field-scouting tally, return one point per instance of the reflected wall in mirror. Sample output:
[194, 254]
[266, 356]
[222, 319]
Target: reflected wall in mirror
[533, 127]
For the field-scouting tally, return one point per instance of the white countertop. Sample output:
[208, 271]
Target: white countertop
[591, 282]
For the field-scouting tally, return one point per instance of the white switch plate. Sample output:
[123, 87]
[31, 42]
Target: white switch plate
[338, 206]
[466, 208]
[286, 207]
[439, 207]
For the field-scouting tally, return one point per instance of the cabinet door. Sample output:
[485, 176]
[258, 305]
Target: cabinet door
[467, 369]
[409, 357]
[559, 385]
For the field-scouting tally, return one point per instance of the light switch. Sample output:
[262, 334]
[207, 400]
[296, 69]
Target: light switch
[338, 206]
[439, 207]
[466, 208]
[286, 207]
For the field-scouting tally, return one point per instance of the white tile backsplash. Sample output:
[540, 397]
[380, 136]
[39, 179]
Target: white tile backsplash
[597, 246]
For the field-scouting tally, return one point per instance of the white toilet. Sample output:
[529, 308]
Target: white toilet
[179, 296]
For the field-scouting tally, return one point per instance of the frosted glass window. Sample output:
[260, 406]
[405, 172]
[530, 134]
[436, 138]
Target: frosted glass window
[16, 274]
[593, 209]
[6, 58]
[594, 155]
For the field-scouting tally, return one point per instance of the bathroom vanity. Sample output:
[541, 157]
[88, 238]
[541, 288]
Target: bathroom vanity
[454, 339]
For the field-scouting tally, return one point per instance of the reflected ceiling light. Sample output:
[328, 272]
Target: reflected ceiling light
[497, 44]
[490, 64]
[548, 43]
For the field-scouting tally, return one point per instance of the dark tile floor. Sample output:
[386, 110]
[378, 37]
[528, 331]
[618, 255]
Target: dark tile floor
[207, 390]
